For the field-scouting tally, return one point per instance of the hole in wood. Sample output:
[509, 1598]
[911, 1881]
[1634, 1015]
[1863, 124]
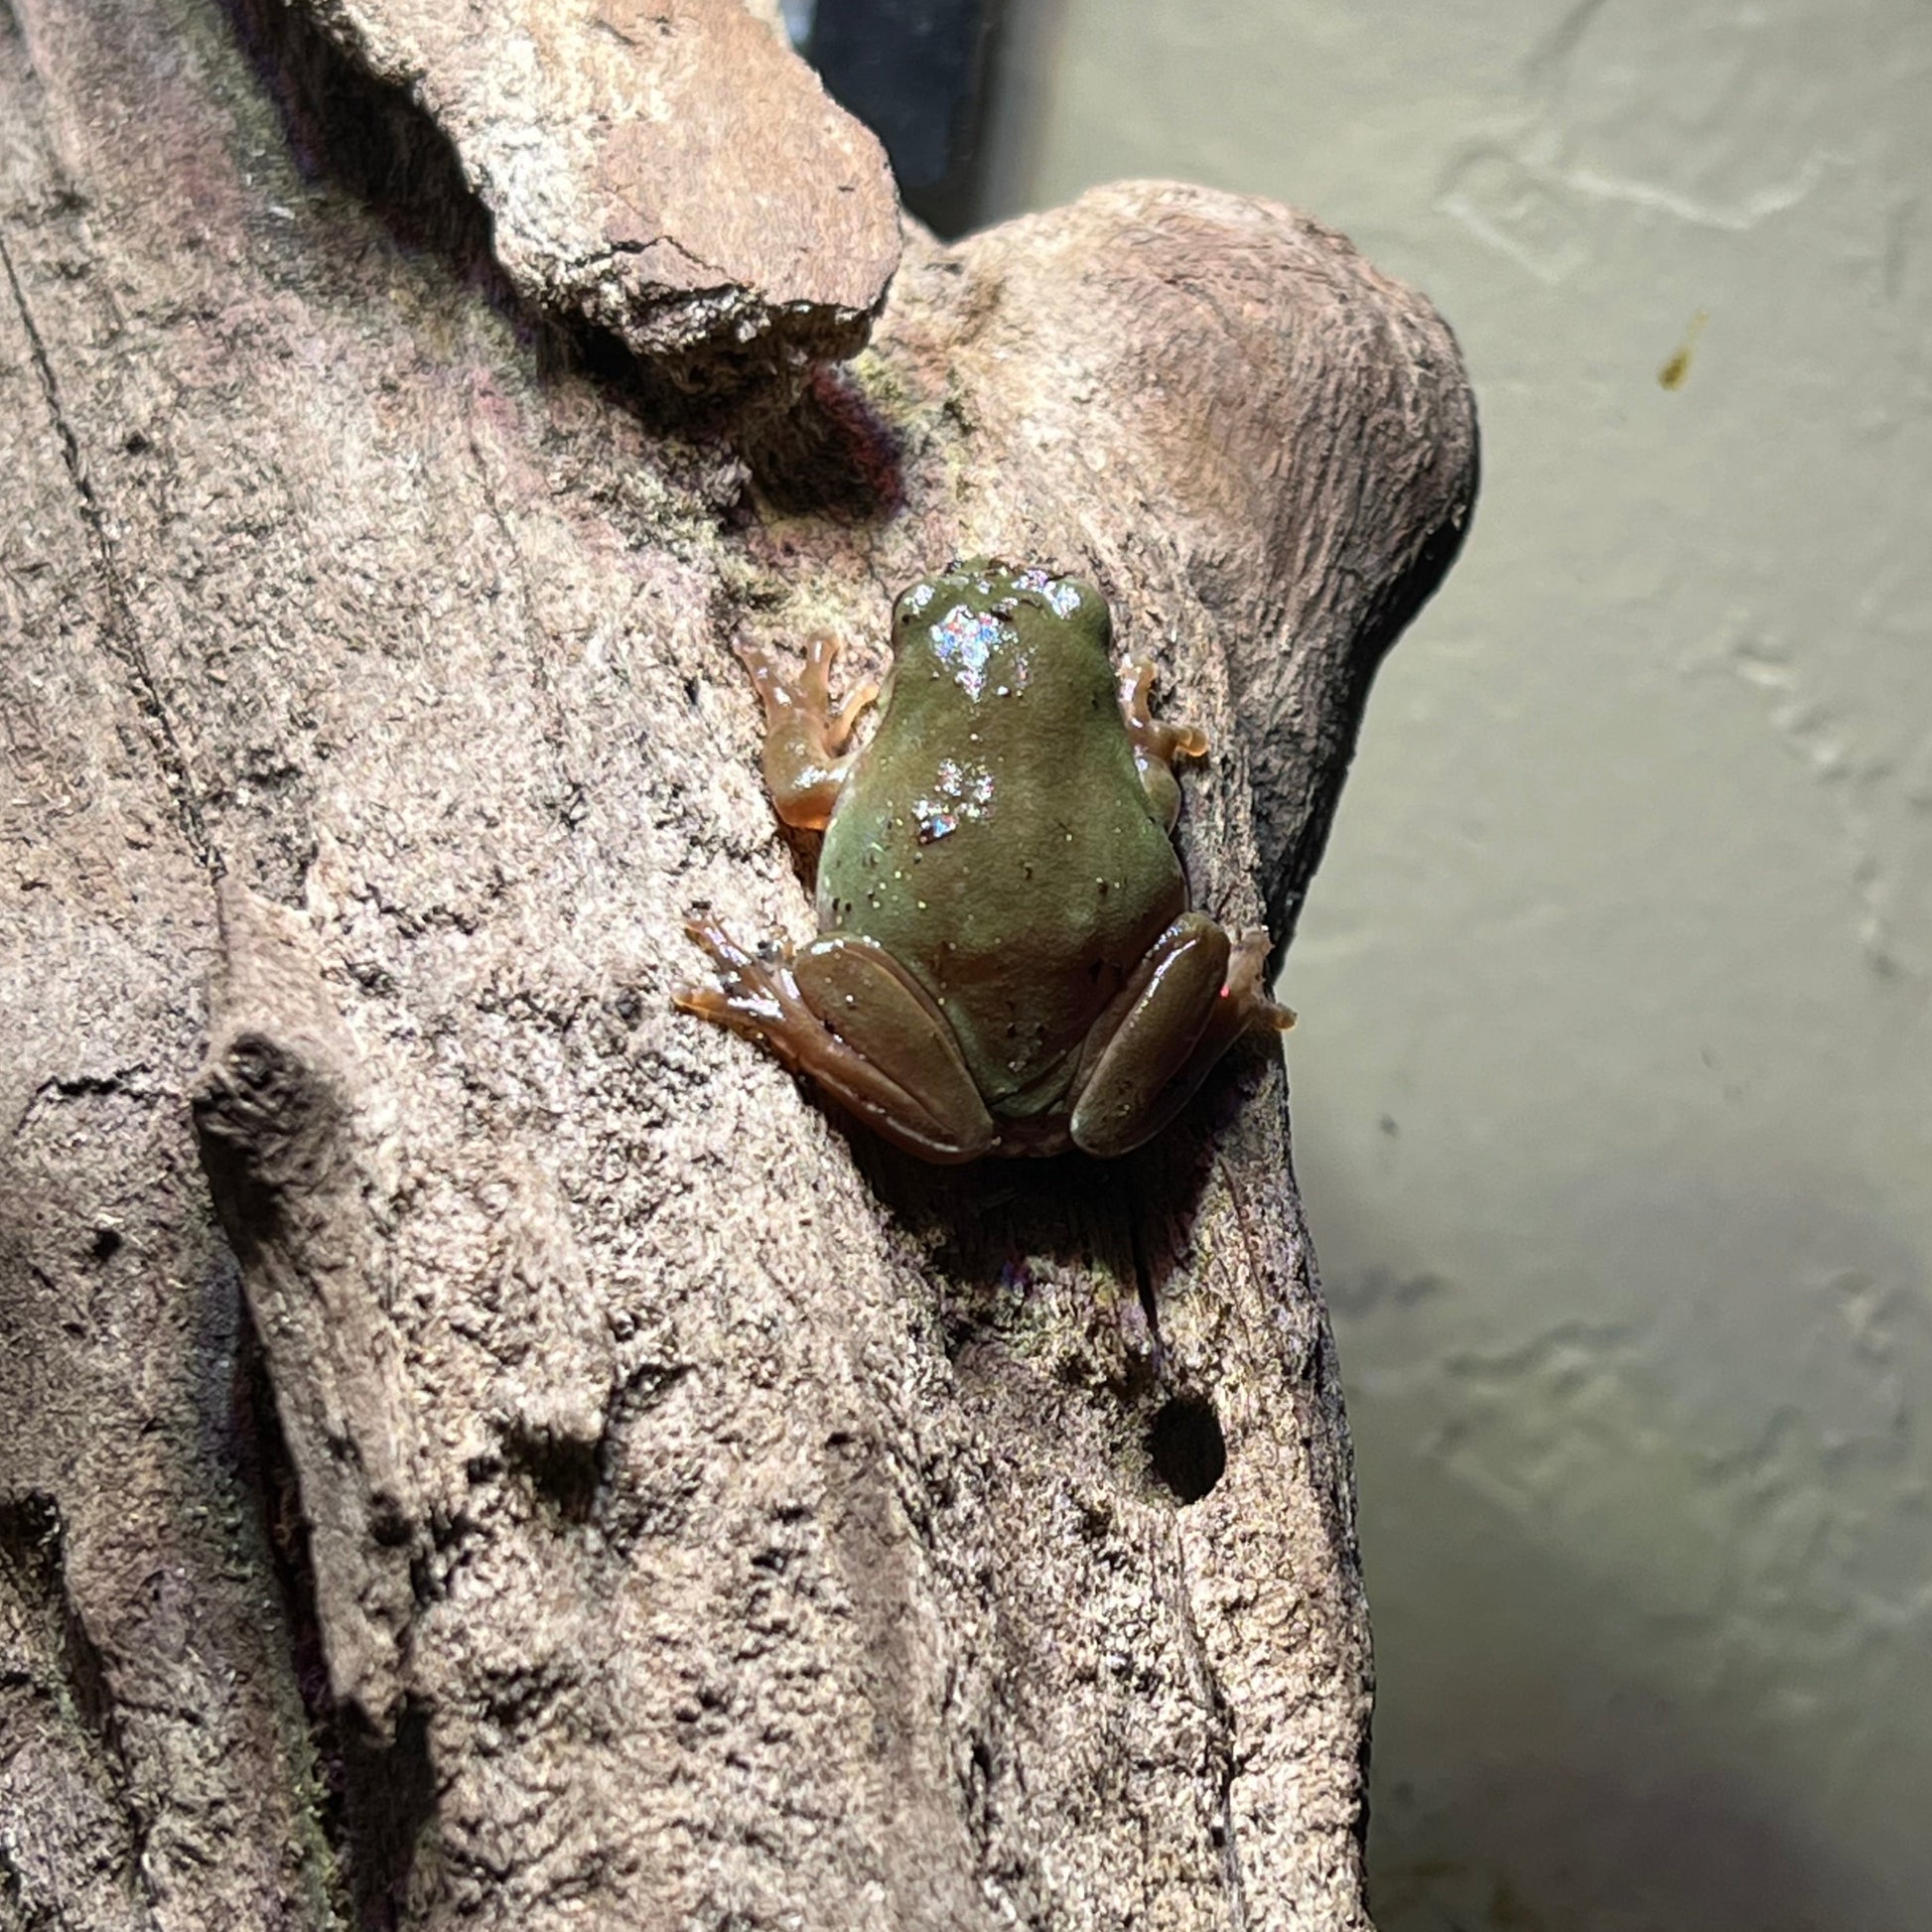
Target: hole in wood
[562, 1470]
[1187, 1447]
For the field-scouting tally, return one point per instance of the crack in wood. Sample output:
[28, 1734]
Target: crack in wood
[121, 630]
[1214, 1703]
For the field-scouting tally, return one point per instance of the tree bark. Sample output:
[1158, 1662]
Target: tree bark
[477, 1445]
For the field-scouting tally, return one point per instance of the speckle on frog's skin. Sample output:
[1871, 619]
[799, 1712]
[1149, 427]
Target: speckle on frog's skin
[965, 638]
[918, 598]
[964, 793]
[1063, 596]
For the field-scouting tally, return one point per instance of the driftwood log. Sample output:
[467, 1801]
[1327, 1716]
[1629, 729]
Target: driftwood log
[477, 1447]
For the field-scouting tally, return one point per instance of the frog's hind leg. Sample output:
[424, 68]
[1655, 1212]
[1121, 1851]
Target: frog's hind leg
[845, 1013]
[1196, 994]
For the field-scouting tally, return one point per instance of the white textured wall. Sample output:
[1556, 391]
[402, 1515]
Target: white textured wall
[1614, 1090]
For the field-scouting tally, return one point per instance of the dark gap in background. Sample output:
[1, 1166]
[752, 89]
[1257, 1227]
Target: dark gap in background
[919, 74]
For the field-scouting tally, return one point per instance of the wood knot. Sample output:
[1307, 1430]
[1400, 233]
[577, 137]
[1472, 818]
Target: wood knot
[268, 1110]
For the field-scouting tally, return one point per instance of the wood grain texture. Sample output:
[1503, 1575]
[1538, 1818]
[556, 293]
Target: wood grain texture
[477, 1445]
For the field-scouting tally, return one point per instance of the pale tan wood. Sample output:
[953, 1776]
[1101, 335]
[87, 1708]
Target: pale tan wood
[476, 1444]
[666, 169]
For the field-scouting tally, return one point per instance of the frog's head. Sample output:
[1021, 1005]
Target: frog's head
[986, 622]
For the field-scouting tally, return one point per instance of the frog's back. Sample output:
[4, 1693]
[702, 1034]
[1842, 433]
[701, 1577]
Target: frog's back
[995, 836]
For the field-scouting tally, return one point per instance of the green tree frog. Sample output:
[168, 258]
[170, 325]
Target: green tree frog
[1005, 960]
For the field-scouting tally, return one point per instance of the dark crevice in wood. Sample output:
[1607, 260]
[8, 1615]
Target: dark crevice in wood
[375, 1797]
[390, 1803]
[265, 1465]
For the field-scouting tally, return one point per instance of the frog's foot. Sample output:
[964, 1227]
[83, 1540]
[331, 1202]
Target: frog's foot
[806, 755]
[1196, 994]
[845, 1013]
[1156, 744]
[1252, 1007]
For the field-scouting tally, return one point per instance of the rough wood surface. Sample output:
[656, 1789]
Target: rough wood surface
[663, 169]
[475, 1444]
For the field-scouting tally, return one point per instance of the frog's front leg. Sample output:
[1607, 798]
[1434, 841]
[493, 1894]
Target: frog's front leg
[805, 741]
[1156, 744]
[844, 1011]
[1196, 994]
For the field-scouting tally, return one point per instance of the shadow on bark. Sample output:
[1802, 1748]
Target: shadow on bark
[377, 1796]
